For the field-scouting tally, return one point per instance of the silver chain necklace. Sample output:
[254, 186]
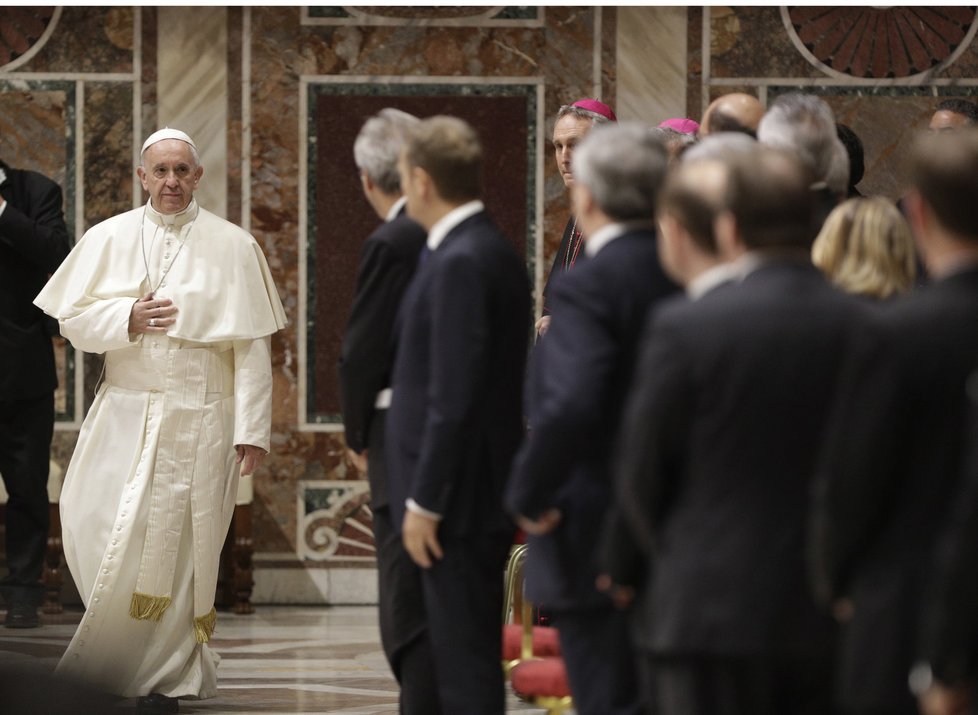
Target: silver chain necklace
[142, 243]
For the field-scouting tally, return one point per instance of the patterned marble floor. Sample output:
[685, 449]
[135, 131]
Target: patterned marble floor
[278, 660]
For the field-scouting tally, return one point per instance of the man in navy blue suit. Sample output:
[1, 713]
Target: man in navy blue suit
[455, 419]
[561, 484]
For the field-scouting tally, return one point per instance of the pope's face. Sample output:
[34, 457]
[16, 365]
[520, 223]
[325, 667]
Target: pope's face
[170, 175]
[568, 132]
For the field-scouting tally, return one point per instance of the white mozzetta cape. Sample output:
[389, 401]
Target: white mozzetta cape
[150, 489]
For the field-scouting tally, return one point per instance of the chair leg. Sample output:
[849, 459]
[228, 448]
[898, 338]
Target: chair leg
[242, 549]
[52, 564]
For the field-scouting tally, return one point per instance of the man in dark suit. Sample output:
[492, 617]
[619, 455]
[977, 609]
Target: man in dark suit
[719, 438]
[33, 242]
[573, 123]
[387, 263]
[455, 420]
[561, 484]
[893, 458]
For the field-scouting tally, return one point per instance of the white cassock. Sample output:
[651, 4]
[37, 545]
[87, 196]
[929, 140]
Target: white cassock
[150, 489]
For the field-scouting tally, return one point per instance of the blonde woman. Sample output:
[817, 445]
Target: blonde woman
[865, 247]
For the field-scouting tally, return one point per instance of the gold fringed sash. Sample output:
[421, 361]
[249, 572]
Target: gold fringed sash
[144, 607]
[204, 626]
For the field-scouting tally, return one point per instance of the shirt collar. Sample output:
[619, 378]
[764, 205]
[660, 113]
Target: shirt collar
[178, 219]
[453, 218]
[395, 210]
[710, 279]
[609, 232]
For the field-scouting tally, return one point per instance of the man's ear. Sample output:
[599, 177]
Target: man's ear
[728, 238]
[423, 182]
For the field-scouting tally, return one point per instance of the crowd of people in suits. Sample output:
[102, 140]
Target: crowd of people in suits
[742, 446]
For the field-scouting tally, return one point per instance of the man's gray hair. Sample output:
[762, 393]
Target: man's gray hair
[722, 147]
[379, 144]
[581, 113]
[804, 125]
[623, 165]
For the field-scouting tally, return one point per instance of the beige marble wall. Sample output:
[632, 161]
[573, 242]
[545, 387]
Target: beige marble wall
[192, 85]
[651, 63]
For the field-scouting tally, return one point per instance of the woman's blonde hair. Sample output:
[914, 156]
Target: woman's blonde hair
[866, 247]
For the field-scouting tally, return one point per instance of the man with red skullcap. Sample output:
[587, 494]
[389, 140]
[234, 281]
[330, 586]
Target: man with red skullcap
[574, 121]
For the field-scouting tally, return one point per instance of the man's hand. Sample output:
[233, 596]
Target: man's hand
[941, 699]
[249, 457]
[621, 596]
[544, 524]
[542, 325]
[420, 537]
[149, 315]
[359, 459]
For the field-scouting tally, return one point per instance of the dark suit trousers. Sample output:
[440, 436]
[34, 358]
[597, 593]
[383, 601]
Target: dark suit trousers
[776, 685]
[26, 427]
[403, 627]
[597, 650]
[463, 595]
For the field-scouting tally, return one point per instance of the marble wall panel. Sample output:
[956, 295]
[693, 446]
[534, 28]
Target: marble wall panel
[753, 42]
[108, 141]
[90, 40]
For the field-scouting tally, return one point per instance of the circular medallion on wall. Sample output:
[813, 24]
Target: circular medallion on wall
[23, 32]
[880, 43]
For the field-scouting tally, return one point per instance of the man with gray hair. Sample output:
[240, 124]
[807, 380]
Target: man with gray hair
[560, 488]
[387, 264]
[183, 306]
[573, 123]
[804, 125]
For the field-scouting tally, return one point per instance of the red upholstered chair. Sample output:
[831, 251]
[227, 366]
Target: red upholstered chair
[543, 683]
[531, 654]
[521, 639]
[538, 677]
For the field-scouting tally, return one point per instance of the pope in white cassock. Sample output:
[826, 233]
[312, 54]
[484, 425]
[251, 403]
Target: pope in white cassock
[182, 304]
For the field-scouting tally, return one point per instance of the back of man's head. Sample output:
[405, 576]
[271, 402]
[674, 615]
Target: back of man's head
[623, 166]
[944, 169]
[379, 144]
[693, 195]
[968, 110]
[448, 149]
[803, 125]
[769, 196]
[720, 147]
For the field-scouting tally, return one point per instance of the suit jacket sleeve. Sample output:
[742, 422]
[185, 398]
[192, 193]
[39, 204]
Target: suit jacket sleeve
[853, 486]
[650, 454]
[569, 397]
[37, 232]
[459, 368]
[367, 352]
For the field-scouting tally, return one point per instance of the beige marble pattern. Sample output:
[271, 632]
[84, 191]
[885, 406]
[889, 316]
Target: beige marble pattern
[651, 63]
[192, 88]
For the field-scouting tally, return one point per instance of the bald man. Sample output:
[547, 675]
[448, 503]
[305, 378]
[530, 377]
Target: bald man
[953, 114]
[736, 112]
